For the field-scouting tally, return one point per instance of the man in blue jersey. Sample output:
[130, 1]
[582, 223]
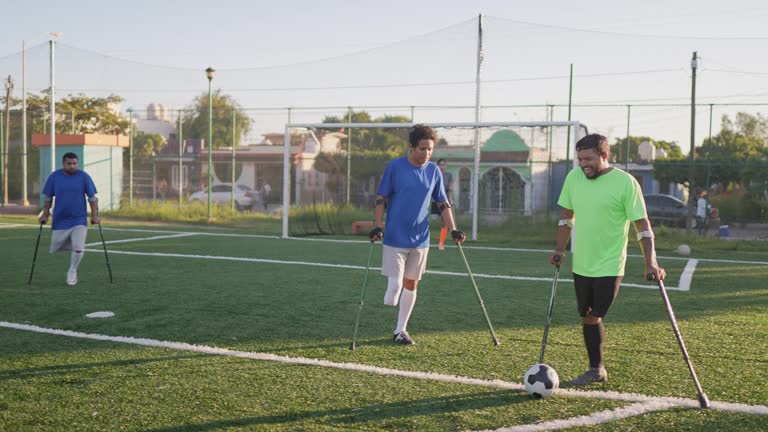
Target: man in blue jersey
[407, 187]
[69, 187]
[600, 201]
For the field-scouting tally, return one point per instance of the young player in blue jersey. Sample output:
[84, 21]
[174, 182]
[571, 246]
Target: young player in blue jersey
[408, 186]
[70, 187]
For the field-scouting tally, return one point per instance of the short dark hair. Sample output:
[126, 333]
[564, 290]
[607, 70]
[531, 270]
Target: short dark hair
[420, 132]
[441, 160]
[68, 155]
[594, 141]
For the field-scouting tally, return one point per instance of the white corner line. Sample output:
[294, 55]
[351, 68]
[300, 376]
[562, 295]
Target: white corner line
[687, 275]
[182, 346]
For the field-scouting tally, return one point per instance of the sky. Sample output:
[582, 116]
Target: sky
[398, 54]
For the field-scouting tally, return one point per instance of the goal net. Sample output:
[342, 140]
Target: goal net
[498, 171]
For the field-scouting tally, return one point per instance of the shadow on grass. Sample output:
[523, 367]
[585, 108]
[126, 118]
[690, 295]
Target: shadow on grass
[15, 374]
[359, 416]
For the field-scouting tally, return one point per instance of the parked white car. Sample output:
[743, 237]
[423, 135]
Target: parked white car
[245, 197]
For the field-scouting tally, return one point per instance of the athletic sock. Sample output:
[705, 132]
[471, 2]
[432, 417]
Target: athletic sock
[74, 260]
[407, 300]
[443, 235]
[593, 339]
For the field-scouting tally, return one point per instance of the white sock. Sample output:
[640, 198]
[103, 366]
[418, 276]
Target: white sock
[394, 286]
[407, 300]
[74, 260]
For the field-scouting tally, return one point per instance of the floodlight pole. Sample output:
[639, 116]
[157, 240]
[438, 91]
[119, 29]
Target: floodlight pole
[209, 73]
[24, 199]
[349, 152]
[53, 107]
[691, 156]
[130, 157]
[234, 132]
[474, 202]
[8, 92]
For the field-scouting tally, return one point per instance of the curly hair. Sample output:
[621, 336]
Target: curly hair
[420, 132]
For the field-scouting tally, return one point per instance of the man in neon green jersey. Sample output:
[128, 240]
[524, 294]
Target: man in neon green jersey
[600, 201]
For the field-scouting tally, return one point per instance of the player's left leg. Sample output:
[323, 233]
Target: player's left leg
[603, 292]
[77, 238]
[415, 265]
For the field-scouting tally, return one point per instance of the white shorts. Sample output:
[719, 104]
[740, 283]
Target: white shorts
[404, 262]
[69, 239]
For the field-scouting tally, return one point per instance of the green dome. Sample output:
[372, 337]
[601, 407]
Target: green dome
[505, 141]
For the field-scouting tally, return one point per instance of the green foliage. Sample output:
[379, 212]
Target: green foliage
[619, 150]
[147, 145]
[195, 123]
[737, 156]
[371, 149]
[92, 115]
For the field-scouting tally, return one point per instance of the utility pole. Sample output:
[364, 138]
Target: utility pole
[691, 155]
[8, 90]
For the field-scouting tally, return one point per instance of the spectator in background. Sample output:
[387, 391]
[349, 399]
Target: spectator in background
[266, 190]
[701, 213]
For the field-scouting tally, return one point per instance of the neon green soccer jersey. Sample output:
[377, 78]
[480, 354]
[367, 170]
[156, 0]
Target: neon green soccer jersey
[602, 208]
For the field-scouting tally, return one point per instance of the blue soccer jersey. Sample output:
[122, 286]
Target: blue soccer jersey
[409, 190]
[69, 191]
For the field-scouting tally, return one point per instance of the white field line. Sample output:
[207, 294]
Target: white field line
[142, 239]
[182, 346]
[11, 225]
[633, 410]
[687, 275]
[214, 234]
[346, 266]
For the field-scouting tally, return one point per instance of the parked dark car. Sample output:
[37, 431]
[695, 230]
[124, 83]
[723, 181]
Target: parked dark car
[666, 210]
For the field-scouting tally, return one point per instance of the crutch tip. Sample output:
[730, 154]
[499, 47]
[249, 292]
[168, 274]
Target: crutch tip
[352, 346]
[703, 401]
[496, 342]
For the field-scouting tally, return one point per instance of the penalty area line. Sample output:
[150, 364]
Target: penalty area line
[429, 376]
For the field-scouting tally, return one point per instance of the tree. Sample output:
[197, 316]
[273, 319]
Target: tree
[90, 114]
[146, 146]
[619, 150]
[371, 149]
[195, 123]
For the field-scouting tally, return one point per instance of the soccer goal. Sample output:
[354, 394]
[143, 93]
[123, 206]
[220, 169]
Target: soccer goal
[494, 170]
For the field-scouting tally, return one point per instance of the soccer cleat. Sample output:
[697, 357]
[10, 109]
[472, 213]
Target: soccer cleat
[72, 277]
[590, 376]
[403, 338]
[441, 246]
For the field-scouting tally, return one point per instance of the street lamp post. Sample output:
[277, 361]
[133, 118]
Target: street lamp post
[209, 73]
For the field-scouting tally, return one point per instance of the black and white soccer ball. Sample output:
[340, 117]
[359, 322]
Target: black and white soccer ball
[541, 381]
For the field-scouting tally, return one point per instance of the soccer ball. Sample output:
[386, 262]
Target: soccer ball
[683, 250]
[541, 381]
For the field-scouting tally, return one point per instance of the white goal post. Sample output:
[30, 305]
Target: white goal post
[574, 127]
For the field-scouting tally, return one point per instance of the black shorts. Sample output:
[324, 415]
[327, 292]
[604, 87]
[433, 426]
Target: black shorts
[595, 294]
